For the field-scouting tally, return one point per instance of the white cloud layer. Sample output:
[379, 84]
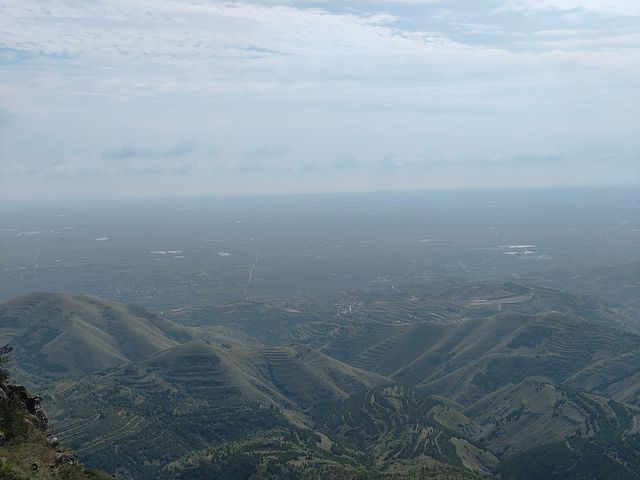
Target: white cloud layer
[347, 90]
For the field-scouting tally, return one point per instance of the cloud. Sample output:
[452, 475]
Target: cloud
[314, 87]
[84, 166]
[176, 150]
[343, 163]
[267, 152]
[400, 160]
[263, 159]
[606, 7]
[135, 49]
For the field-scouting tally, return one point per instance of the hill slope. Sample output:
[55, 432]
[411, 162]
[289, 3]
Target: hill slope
[483, 354]
[396, 424]
[57, 335]
[194, 395]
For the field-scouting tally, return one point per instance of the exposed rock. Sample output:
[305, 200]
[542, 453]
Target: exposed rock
[25, 445]
[64, 458]
[32, 404]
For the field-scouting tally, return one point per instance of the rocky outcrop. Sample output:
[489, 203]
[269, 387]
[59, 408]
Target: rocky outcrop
[19, 410]
[19, 398]
[26, 448]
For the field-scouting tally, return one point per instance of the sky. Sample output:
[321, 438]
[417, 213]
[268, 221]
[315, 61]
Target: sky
[143, 98]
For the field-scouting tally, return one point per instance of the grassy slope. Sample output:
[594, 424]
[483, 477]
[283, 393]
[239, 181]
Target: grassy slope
[27, 452]
[56, 335]
[19, 458]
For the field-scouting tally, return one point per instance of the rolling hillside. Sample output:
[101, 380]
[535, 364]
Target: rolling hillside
[196, 394]
[482, 355]
[57, 335]
[292, 378]
[455, 383]
[535, 411]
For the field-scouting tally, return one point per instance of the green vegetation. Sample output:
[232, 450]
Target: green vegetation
[392, 424]
[575, 460]
[293, 454]
[368, 385]
[60, 335]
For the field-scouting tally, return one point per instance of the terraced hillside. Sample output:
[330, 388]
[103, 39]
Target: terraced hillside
[399, 425]
[616, 376]
[535, 411]
[610, 451]
[395, 424]
[373, 384]
[286, 454]
[196, 394]
[389, 332]
[368, 331]
[484, 354]
[272, 321]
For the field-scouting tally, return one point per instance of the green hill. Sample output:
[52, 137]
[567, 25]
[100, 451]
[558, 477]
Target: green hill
[58, 335]
[293, 378]
[483, 354]
[194, 395]
[534, 412]
[288, 454]
[394, 424]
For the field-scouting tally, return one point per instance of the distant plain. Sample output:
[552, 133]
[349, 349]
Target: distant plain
[165, 254]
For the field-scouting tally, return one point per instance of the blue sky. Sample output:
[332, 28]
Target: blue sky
[175, 97]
